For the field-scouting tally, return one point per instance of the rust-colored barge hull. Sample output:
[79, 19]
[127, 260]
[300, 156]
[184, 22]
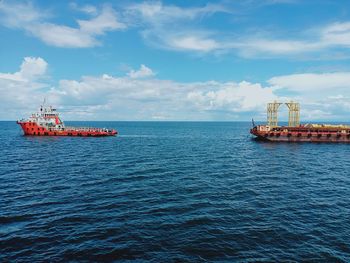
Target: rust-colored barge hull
[296, 132]
[302, 134]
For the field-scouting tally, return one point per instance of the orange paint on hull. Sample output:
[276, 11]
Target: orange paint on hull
[32, 129]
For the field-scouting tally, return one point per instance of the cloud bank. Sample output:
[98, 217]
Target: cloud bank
[140, 95]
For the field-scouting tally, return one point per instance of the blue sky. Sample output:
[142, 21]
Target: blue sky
[174, 60]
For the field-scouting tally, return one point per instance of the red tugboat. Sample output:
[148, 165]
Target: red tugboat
[295, 132]
[47, 122]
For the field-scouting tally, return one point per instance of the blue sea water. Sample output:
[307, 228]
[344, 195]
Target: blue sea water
[172, 192]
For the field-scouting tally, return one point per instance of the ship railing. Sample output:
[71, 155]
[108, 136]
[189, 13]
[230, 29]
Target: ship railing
[89, 129]
[55, 129]
[80, 129]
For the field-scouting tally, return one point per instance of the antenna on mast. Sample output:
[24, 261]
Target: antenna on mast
[43, 105]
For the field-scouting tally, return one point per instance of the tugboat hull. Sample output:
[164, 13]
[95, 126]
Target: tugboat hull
[46, 122]
[32, 129]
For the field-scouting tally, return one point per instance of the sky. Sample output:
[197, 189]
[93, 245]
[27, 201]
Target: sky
[175, 60]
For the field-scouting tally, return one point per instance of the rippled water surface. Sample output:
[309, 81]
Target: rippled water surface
[172, 191]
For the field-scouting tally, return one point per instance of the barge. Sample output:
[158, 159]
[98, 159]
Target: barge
[296, 132]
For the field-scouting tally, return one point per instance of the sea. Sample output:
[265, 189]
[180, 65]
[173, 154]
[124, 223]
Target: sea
[172, 192]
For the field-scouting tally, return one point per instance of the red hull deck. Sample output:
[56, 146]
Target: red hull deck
[31, 128]
[302, 134]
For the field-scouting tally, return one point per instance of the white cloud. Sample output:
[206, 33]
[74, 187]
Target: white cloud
[141, 73]
[16, 15]
[31, 69]
[85, 35]
[157, 13]
[195, 43]
[22, 89]
[131, 97]
[332, 36]
[312, 82]
[337, 34]
[322, 95]
[62, 36]
[88, 9]
[329, 38]
[178, 28]
[169, 26]
[106, 21]
[261, 46]
[235, 97]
